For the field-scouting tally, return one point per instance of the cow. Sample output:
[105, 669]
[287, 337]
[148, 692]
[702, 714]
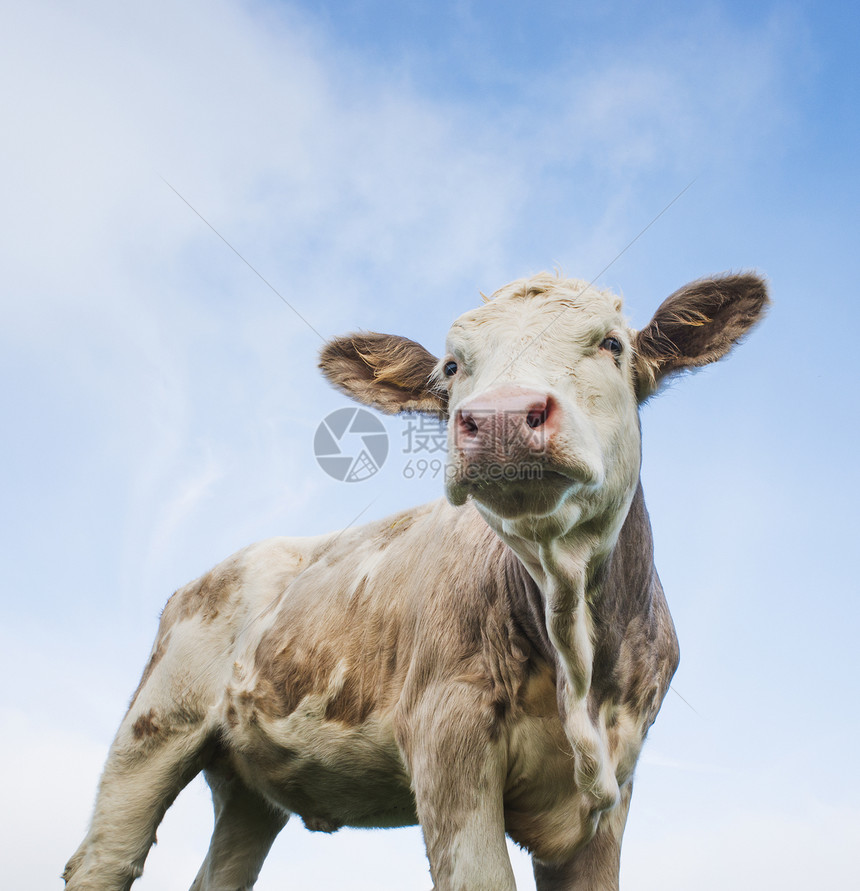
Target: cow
[484, 665]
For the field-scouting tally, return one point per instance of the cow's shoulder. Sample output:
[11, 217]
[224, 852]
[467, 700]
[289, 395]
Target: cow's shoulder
[383, 611]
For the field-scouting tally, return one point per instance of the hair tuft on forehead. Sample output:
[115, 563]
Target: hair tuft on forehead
[524, 288]
[572, 292]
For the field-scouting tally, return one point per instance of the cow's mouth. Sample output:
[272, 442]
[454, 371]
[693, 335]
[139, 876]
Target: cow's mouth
[511, 490]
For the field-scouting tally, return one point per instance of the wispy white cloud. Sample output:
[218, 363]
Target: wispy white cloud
[190, 494]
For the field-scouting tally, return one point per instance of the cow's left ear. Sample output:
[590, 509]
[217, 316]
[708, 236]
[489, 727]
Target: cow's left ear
[697, 325]
[393, 374]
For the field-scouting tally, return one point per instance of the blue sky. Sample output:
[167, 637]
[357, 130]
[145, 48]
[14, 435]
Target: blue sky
[379, 164]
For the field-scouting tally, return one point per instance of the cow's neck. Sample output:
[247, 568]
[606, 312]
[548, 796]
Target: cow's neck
[565, 560]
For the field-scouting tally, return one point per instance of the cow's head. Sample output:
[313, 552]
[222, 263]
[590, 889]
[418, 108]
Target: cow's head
[541, 386]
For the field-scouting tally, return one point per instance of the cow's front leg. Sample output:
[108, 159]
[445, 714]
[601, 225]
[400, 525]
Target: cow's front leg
[595, 867]
[459, 763]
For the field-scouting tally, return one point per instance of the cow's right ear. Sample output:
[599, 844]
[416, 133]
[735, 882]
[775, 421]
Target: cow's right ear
[393, 374]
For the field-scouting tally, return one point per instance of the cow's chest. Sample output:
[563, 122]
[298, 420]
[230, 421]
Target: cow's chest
[545, 811]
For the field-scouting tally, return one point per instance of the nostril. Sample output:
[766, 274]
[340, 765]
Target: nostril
[468, 424]
[538, 414]
[536, 418]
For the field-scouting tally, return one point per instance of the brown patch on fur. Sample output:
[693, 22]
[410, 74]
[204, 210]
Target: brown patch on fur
[636, 648]
[146, 726]
[214, 589]
[697, 325]
[295, 664]
[393, 374]
[205, 597]
[152, 729]
[290, 670]
[356, 699]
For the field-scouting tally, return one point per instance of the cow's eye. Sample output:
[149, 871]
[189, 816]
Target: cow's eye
[450, 368]
[613, 344]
